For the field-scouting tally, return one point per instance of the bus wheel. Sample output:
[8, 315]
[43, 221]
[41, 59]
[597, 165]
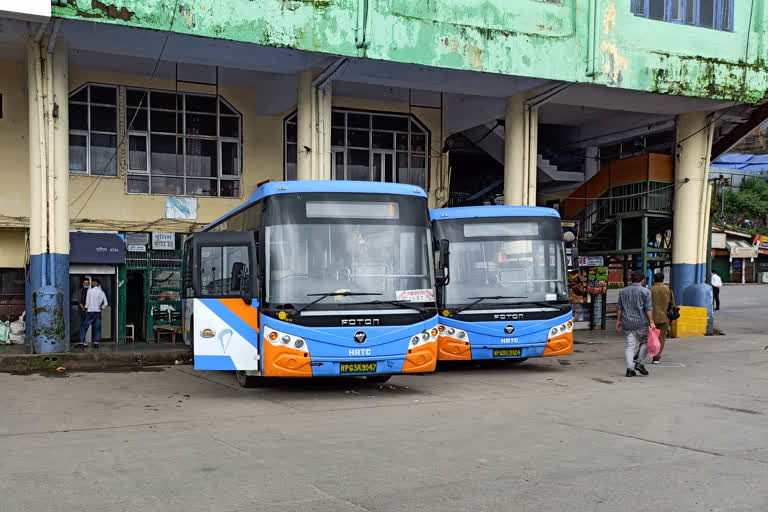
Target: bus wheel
[377, 379]
[517, 361]
[246, 381]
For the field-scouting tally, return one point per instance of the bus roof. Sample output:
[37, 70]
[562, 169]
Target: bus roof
[470, 212]
[360, 187]
[294, 187]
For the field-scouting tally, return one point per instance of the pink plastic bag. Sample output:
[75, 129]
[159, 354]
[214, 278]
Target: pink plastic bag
[654, 345]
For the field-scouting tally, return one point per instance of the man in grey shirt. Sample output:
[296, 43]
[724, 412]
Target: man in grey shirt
[634, 317]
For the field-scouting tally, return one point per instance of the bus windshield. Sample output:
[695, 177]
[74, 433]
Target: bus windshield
[510, 261]
[370, 250]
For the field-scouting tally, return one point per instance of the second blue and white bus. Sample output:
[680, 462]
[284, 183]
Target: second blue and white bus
[315, 278]
[507, 292]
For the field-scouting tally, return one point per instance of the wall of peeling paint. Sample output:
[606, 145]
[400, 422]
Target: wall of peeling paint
[598, 41]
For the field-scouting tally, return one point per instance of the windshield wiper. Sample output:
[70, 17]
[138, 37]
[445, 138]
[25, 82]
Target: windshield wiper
[404, 303]
[489, 297]
[321, 296]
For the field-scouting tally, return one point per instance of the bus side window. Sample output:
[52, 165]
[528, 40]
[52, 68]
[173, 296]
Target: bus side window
[216, 264]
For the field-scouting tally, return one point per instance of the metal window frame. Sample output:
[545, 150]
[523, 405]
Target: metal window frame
[181, 133]
[423, 131]
[641, 8]
[88, 131]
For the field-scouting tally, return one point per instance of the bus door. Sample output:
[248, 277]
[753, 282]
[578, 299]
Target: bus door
[224, 324]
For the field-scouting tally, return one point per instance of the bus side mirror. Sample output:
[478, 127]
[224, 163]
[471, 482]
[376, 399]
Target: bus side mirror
[442, 272]
[238, 271]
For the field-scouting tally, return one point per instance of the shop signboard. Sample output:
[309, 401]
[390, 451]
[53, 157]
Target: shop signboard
[96, 248]
[742, 250]
[590, 261]
[761, 242]
[163, 241]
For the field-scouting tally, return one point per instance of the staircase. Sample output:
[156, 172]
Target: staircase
[612, 204]
[490, 138]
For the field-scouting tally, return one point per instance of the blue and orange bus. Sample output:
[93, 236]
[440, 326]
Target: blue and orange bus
[314, 278]
[507, 293]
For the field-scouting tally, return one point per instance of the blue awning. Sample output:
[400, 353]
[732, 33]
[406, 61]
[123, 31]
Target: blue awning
[100, 248]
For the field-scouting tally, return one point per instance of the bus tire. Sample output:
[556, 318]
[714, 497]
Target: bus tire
[247, 381]
[377, 379]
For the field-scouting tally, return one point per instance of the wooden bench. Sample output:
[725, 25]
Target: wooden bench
[172, 330]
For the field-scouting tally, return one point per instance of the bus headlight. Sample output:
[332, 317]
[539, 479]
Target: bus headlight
[461, 335]
[429, 336]
[451, 331]
[558, 330]
[278, 338]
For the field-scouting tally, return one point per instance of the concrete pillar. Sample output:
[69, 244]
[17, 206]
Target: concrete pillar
[521, 128]
[304, 118]
[591, 163]
[47, 304]
[59, 210]
[514, 150]
[324, 108]
[37, 226]
[313, 128]
[691, 210]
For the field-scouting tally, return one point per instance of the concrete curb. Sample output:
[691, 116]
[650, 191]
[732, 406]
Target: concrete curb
[28, 363]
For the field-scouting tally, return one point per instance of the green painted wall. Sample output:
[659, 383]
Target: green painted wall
[594, 41]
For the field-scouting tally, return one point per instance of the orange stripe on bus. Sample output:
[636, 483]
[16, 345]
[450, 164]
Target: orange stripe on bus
[246, 313]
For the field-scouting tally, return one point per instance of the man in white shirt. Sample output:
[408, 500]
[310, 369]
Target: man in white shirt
[95, 303]
[716, 284]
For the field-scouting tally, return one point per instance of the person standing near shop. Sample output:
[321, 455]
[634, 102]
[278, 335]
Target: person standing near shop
[716, 284]
[634, 317]
[81, 297]
[662, 298]
[95, 303]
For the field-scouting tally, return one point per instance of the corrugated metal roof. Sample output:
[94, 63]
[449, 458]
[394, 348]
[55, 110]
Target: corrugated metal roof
[742, 162]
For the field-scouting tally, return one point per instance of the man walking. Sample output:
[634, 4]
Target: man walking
[662, 298]
[634, 317]
[716, 284]
[81, 295]
[95, 303]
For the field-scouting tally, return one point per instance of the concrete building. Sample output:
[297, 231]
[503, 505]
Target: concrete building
[141, 117]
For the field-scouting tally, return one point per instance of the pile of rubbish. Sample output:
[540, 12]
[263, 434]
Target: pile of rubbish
[12, 333]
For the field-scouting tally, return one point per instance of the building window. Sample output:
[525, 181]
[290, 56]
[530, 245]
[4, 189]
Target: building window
[93, 130]
[370, 147]
[717, 14]
[182, 144]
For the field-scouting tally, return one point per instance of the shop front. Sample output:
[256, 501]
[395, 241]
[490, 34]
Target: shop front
[742, 259]
[95, 255]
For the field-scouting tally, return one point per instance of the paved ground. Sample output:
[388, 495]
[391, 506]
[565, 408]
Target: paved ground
[563, 434]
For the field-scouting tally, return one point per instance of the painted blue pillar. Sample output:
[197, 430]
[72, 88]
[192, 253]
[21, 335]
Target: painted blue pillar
[47, 283]
[691, 213]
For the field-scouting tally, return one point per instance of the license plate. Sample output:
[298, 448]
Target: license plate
[507, 352]
[357, 368]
